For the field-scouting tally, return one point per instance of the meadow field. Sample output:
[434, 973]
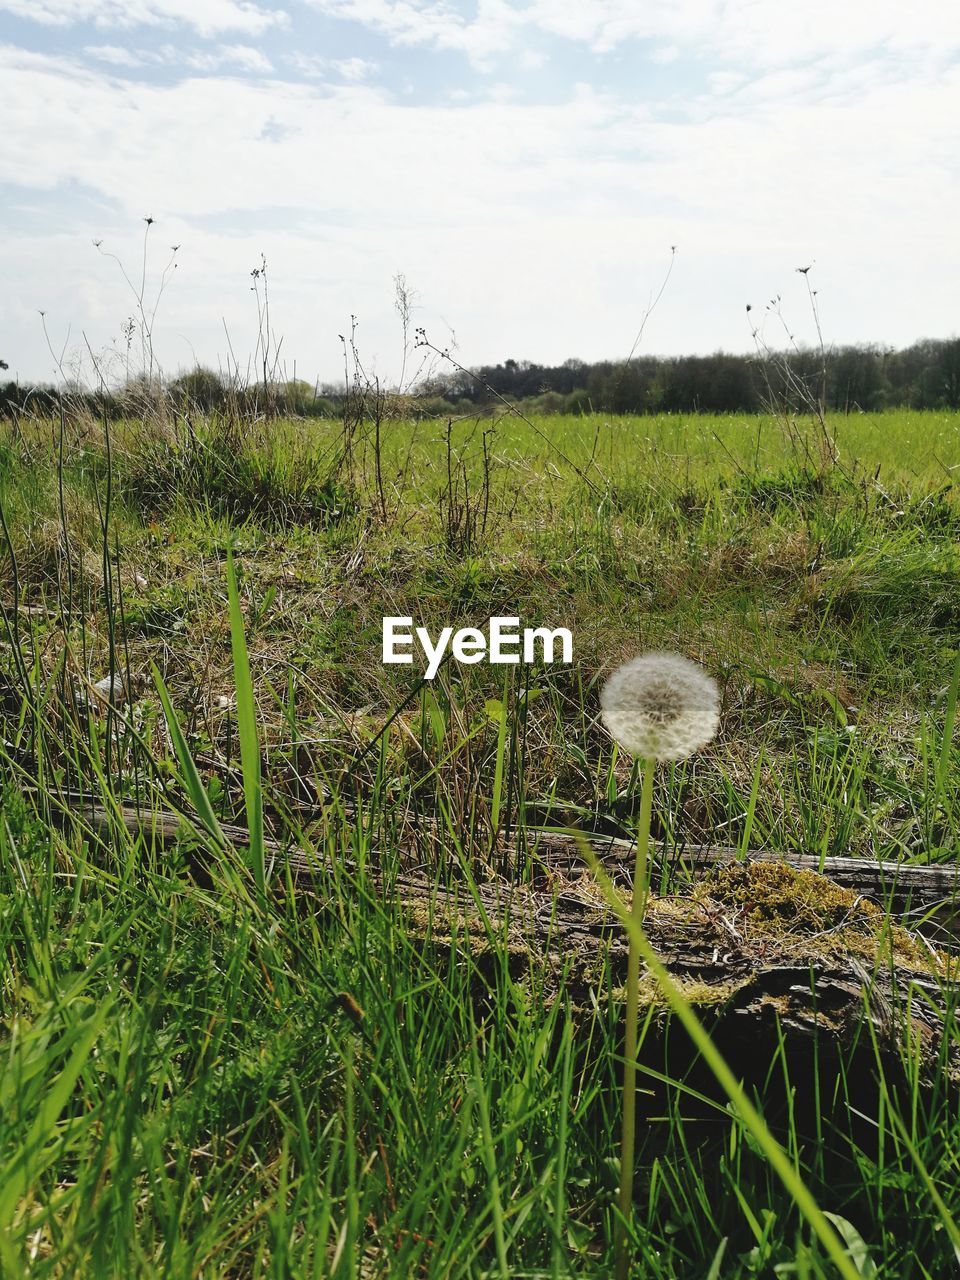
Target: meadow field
[231, 1047]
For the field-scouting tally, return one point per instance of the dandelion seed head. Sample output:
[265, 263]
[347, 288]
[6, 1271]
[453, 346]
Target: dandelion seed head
[661, 706]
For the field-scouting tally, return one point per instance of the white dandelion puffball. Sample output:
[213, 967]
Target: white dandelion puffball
[661, 706]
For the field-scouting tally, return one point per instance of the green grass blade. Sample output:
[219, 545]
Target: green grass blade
[949, 720]
[15, 1179]
[191, 777]
[751, 806]
[490, 1160]
[751, 1119]
[247, 730]
[498, 712]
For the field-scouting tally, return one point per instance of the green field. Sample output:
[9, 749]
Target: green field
[187, 1088]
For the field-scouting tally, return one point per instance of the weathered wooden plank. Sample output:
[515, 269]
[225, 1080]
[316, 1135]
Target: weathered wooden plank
[923, 897]
[812, 979]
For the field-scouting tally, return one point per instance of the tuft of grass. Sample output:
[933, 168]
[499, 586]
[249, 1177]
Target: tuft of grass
[235, 471]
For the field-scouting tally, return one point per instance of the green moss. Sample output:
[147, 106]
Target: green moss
[800, 910]
[778, 897]
[697, 992]
[754, 914]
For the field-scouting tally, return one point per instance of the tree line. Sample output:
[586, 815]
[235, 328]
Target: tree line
[846, 379]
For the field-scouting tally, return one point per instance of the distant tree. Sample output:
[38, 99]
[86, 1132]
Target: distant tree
[203, 388]
[628, 386]
[906, 371]
[720, 383]
[857, 379]
[296, 396]
[947, 373]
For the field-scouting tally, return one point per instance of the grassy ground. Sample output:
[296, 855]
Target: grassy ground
[188, 1088]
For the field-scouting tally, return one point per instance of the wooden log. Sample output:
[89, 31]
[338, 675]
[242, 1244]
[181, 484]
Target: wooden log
[926, 897]
[760, 948]
[923, 897]
[789, 941]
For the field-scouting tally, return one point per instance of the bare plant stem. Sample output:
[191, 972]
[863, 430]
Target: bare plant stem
[444, 354]
[641, 887]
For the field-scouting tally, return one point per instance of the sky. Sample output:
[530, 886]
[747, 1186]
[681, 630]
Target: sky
[537, 172]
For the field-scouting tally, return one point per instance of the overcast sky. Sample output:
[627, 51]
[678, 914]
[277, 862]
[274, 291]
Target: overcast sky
[525, 165]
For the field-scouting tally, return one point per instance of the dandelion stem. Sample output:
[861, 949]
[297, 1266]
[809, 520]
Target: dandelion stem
[641, 887]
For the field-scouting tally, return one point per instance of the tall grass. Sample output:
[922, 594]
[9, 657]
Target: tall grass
[209, 1069]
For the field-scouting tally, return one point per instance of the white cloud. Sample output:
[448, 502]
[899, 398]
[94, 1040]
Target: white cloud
[242, 56]
[725, 82]
[537, 230]
[778, 34]
[353, 70]
[193, 145]
[208, 17]
[435, 22]
[114, 55]
[532, 59]
[309, 64]
[754, 31]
